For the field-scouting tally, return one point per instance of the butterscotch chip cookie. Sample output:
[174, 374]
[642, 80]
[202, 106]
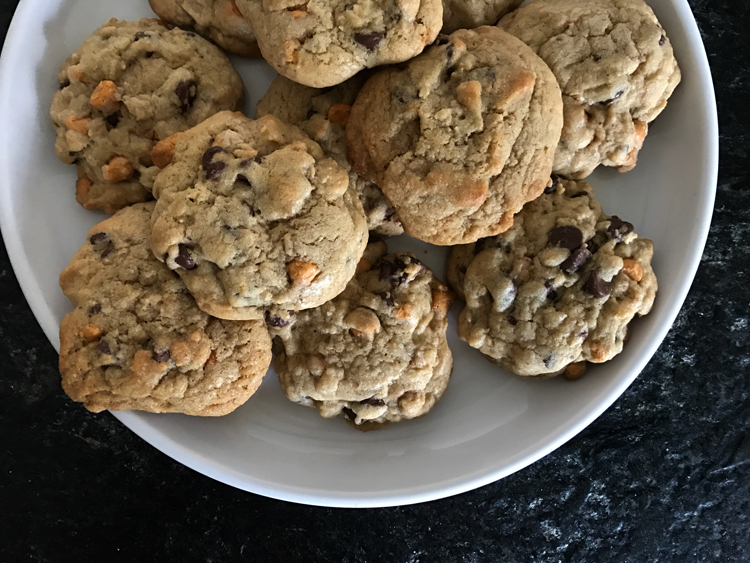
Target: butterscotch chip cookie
[323, 114]
[459, 138]
[616, 69]
[559, 287]
[468, 14]
[253, 217]
[323, 42]
[377, 353]
[136, 339]
[218, 20]
[129, 86]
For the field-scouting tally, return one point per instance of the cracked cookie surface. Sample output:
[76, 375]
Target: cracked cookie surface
[218, 20]
[468, 14]
[460, 137]
[129, 86]
[254, 217]
[323, 114]
[559, 287]
[324, 42]
[616, 69]
[136, 339]
[377, 353]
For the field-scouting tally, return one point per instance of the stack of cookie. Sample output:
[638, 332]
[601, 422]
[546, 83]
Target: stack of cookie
[476, 140]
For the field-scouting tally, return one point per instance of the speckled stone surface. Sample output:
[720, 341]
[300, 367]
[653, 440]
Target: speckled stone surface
[663, 475]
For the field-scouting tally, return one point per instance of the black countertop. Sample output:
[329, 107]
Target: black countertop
[663, 475]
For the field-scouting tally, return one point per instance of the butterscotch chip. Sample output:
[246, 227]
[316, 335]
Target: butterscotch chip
[163, 151]
[302, 273]
[355, 357]
[574, 371]
[339, 113]
[117, 169]
[136, 339]
[105, 97]
[441, 300]
[632, 269]
[81, 125]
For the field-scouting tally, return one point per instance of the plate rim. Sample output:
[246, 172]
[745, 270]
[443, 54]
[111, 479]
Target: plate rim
[184, 455]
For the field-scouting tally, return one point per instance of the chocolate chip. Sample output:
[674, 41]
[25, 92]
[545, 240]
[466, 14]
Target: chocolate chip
[349, 413]
[212, 169]
[596, 286]
[576, 259]
[512, 320]
[276, 321]
[618, 228]
[184, 258]
[592, 247]
[186, 91]
[387, 269]
[662, 40]
[98, 238]
[64, 85]
[549, 360]
[389, 212]
[95, 309]
[161, 356]
[372, 401]
[369, 41]
[103, 347]
[442, 39]
[140, 35]
[386, 296]
[109, 249]
[113, 119]
[551, 290]
[552, 188]
[565, 237]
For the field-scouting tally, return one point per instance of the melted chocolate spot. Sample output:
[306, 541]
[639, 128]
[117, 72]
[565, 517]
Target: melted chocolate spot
[566, 237]
[184, 258]
[512, 320]
[576, 259]
[276, 321]
[369, 41]
[103, 347]
[618, 228]
[596, 286]
[592, 247]
[161, 356]
[373, 402]
[186, 92]
[212, 169]
[98, 238]
[389, 212]
[386, 296]
[140, 35]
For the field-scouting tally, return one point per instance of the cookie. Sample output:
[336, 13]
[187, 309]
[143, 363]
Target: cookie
[136, 339]
[468, 14]
[129, 86]
[377, 353]
[254, 217]
[321, 43]
[460, 137]
[323, 114]
[616, 69]
[559, 287]
[218, 20]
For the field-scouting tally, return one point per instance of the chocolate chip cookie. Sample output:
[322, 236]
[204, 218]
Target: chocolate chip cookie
[616, 69]
[323, 42]
[323, 114]
[129, 86]
[136, 339]
[559, 287]
[460, 137]
[468, 14]
[377, 353]
[218, 20]
[254, 217]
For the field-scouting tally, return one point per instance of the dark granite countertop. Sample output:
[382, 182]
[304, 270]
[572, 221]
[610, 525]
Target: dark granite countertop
[663, 475]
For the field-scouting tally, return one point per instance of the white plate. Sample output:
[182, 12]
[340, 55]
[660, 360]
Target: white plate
[489, 424]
